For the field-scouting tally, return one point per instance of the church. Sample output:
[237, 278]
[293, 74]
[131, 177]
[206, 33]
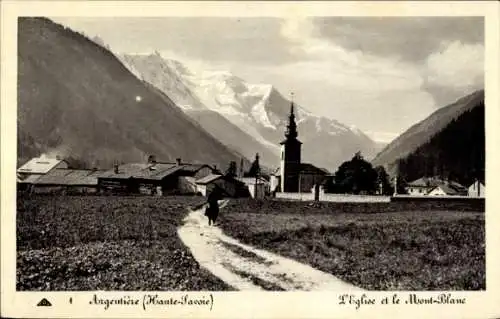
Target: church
[293, 176]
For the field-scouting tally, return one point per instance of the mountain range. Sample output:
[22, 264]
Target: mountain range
[450, 143]
[249, 118]
[78, 101]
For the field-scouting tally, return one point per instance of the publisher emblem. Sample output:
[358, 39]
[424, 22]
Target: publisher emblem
[44, 303]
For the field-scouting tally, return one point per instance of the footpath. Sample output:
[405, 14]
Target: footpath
[247, 268]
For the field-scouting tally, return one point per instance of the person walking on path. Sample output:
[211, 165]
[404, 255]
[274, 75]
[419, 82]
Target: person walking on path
[212, 210]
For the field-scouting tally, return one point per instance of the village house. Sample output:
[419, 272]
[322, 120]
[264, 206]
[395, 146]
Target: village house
[154, 178]
[293, 176]
[477, 189]
[258, 187]
[229, 186]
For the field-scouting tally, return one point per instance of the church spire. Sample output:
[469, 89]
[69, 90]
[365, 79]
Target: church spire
[291, 129]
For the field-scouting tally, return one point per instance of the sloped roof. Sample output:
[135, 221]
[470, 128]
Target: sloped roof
[125, 171]
[193, 168]
[425, 182]
[39, 165]
[208, 179]
[433, 182]
[156, 171]
[451, 190]
[456, 186]
[304, 169]
[64, 176]
[28, 179]
[183, 169]
[307, 168]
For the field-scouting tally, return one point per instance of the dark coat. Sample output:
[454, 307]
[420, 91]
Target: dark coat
[212, 209]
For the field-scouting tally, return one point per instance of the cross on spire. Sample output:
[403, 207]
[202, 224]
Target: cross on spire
[291, 129]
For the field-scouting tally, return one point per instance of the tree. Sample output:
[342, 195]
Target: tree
[356, 176]
[254, 170]
[232, 169]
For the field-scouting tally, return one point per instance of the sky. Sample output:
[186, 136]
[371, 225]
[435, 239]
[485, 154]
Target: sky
[381, 75]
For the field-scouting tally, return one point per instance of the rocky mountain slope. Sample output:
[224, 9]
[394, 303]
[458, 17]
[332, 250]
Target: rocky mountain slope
[163, 74]
[77, 100]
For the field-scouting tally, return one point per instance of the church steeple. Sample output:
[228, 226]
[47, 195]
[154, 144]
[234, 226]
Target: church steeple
[291, 129]
[290, 155]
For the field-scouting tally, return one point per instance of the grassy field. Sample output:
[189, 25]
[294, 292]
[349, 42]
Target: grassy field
[394, 246]
[106, 243]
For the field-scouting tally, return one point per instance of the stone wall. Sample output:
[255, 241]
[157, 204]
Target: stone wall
[295, 196]
[347, 198]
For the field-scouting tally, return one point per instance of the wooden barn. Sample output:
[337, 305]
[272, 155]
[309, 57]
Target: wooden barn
[154, 178]
[67, 181]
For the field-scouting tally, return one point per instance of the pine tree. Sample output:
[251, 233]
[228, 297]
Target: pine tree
[255, 168]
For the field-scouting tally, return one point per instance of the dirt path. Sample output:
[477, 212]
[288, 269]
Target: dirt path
[246, 268]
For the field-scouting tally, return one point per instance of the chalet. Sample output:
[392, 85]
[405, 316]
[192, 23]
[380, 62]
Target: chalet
[230, 186]
[153, 177]
[67, 181]
[477, 189]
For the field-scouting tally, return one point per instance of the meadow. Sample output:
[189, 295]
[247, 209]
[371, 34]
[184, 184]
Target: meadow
[106, 243]
[386, 246]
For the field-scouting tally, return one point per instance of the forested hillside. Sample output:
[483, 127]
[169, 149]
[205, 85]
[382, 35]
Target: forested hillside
[450, 143]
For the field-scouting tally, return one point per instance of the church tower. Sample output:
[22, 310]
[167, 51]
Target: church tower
[290, 156]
